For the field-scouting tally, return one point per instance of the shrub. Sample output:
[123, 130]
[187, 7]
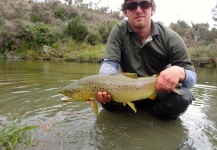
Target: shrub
[72, 13]
[34, 18]
[77, 29]
[39, 35]
[9, 41]
[104, 30]
[93, 38]
[2, 19]
[39, 13]
[61, 13]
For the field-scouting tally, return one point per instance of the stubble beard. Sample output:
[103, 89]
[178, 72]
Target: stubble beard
[139, 25]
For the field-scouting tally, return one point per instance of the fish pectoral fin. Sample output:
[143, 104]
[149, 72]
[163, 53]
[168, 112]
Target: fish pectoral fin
[153, 96]
[94, 106]
[132, 106]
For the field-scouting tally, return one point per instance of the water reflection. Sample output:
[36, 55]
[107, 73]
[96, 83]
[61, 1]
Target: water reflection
[137, 131]
[200, 119]
[31, 87]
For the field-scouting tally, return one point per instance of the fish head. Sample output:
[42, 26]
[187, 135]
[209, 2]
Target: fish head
[76, 93]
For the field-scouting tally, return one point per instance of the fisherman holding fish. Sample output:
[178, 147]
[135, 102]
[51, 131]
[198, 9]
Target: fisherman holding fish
[153, 59]
[140, 45]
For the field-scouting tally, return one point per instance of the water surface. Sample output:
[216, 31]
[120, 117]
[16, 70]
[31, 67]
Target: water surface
[30, 88]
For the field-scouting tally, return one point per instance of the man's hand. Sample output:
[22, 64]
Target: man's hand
[102, 97]
[169, 78]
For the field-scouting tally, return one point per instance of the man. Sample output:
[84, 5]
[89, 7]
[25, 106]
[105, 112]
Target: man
[140, 45]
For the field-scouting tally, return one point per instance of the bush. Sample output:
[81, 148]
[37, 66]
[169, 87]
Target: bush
[39, 35]
[9, 41]
[34, 18]
[2, 19]
[93, 38]
[104, 30]
[77, 29]
[61, 13]
[39, 13]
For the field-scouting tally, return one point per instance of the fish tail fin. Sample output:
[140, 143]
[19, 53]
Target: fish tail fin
[132, 106]
[178, 91]
[94, 107]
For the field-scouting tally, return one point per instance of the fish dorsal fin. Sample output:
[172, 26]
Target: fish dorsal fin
[130, 75]
[155, 75]
[132, 106]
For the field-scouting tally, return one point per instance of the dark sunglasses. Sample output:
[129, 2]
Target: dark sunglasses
[134, 5]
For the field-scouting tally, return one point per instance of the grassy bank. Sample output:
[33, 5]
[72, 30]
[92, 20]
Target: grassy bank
[68, 51]
[203, 56]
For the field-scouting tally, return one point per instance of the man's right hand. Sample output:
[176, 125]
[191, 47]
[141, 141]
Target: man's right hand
[103, 97]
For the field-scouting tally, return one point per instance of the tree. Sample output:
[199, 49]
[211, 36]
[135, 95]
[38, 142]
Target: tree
[203, 32]
[75, 2]
[180, 27]
[214, 13]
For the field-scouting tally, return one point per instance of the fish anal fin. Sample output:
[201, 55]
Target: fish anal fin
[94, 106]
[153, 96]
[132, 106]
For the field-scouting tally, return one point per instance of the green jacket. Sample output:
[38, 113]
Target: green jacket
[163, 48]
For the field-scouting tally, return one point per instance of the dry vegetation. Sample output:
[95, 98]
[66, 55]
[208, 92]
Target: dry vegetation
[27, 26]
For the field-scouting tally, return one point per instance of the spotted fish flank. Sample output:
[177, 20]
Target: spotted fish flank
[124, 88]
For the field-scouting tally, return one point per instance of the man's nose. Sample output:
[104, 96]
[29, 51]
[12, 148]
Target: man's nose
[138, 8]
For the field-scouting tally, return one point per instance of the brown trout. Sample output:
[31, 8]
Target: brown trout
[124, 88]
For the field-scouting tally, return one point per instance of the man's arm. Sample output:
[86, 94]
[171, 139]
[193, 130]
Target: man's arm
[109, 67]
[170, 77]
[190, 79]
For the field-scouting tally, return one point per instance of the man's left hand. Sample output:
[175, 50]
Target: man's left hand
[169, 78]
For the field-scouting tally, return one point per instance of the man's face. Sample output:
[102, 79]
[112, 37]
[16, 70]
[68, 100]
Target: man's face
[140, 16]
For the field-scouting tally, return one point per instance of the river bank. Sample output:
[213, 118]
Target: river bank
[73, 57]
[84, 52]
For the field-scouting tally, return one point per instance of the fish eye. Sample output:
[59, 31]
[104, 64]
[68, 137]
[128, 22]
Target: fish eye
[70, 91]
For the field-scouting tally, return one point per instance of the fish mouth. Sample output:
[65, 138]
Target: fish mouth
[66, 99]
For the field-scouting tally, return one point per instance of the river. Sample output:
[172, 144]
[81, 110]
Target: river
[30, 89]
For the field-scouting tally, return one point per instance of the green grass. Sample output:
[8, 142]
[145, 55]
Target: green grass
[81, 51]
[203, 52]
[13, 133]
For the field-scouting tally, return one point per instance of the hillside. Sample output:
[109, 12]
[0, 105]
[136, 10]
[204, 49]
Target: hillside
[26, 27]
[76, 32]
